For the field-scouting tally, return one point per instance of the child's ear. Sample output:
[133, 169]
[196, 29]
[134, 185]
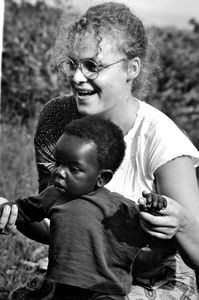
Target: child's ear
[104, 177]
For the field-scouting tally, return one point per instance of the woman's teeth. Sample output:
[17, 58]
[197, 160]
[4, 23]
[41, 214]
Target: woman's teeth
[85, 92]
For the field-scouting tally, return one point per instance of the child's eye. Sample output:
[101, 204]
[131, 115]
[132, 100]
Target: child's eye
[56, 164]
[75, 170]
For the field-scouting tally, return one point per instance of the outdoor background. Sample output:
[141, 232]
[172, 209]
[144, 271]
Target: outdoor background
[28, 82]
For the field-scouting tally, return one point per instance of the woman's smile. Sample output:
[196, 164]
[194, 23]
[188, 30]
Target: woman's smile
[81, 92]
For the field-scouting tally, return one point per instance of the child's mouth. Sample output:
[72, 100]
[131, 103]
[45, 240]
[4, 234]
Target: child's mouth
[59, 187]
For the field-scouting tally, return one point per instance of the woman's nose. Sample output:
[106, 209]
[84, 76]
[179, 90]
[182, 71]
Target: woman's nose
[79, 76]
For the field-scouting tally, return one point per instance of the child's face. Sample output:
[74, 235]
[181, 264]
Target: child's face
[76, 171]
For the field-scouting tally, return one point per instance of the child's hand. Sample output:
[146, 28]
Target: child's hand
[152, 203]
[8, 217]
[161, 217]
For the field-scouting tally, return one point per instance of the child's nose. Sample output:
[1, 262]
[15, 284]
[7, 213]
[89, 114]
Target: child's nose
[61, 172]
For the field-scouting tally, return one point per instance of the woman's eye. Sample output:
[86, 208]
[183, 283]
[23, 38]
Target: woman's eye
[91, 66]
[72, 65]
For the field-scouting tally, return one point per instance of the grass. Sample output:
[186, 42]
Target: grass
[18, 179]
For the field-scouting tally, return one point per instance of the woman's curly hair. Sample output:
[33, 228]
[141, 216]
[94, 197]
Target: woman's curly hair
[126, 27]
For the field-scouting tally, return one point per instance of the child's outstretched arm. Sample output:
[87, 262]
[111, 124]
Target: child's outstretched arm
[8, 219]
[29, 210]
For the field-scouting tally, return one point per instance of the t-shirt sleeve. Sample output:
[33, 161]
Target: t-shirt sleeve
[166, 142]
[35, 208]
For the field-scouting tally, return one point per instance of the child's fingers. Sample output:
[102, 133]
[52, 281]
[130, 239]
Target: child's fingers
[142, 204]
[13, 216]
[142, 201]
[148, 197]
[164, 203]
[5, 216]
[154, 201]
[159, 203]
[146, 194]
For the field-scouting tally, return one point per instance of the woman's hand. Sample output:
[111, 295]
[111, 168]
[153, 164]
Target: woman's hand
[166, 223]
[8, 217]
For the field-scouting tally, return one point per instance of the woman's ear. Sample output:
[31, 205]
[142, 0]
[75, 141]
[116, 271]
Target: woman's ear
[133, 68]
[104, 177]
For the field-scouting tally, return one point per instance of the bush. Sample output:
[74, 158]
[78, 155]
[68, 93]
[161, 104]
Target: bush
[29, 33]
[177, 92]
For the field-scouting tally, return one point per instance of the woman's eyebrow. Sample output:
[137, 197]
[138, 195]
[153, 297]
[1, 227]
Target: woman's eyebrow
[72, 58]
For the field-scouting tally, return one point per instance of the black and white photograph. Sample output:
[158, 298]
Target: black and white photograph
[99, 150]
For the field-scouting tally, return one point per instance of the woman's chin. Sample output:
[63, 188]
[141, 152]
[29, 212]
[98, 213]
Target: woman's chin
[88, 109]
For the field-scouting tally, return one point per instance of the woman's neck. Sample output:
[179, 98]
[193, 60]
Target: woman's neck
[125, 116]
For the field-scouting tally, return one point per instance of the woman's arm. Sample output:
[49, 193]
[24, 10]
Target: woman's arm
[177, 180]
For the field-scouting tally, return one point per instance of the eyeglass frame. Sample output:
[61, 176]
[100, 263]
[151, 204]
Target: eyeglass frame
[80, 66]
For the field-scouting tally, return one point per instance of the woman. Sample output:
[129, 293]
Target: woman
[105, 57]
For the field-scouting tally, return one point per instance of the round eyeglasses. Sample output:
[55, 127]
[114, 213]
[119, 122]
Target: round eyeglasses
[88, 67]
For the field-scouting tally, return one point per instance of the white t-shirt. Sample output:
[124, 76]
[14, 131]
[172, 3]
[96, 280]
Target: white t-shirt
[153, 141]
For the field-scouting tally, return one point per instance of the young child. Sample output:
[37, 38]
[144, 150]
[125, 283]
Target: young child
[95, 233]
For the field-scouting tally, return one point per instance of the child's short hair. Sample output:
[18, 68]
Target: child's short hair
[107, 136]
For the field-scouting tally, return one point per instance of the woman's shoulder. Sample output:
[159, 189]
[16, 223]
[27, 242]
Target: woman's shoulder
[54, 116]
[152, 115]
[158, 125]
[60, 106]
[162, 138]
[155, 122]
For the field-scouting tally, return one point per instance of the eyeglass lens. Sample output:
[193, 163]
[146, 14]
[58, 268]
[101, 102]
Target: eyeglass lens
[87, 66]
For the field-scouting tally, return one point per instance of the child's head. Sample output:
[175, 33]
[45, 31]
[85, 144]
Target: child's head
[87, 154]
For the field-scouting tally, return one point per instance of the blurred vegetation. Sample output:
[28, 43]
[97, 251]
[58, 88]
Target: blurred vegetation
[27, 79]
[177, 91]
[18, 179]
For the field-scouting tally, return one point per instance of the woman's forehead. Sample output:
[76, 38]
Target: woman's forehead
[87, 45]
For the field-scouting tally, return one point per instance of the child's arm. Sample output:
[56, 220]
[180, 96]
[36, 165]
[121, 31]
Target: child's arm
[30, 210]
[8, 219]
[21, 218]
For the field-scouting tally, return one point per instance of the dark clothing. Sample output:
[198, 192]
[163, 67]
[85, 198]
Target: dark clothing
[94, 239]
[66, 292]
[39, 289]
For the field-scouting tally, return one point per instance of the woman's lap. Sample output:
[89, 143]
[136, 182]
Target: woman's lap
[173, 290]
[175, 281]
